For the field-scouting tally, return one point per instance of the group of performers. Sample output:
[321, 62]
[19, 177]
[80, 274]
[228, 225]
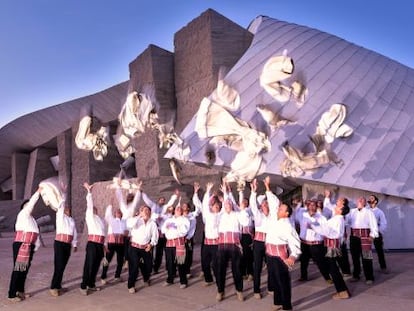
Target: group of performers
[247, 233]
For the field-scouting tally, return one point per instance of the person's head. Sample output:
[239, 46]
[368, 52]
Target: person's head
[228, 206]
[361, 202]
[307, 201]
[296, 200]
[129, 198]
[319, 205]
[284, 211]
[161, 201]
[118, 213]
[145, 212]
[169, 210]
[23, 204]
[312, 207]
[244, 203]
[264, 205]
[216, 206]
[178, 211]
[67, 211]
[342, 206]
[186, 208]
[372, 200]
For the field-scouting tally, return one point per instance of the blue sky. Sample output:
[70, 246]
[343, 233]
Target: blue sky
[52, 51]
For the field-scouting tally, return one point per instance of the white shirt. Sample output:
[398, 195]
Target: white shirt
[175, 227]
[115, 225]
[211, 220]
[142, 232]
[333, 228]
[281, 232]
[306, 232]
[363, 218]
[128, 210]
[25, 221]
[95, 224]
[192, 218]
[231, 222]
[260, 219]
[381, 220]
[156, 208]
[66, 224]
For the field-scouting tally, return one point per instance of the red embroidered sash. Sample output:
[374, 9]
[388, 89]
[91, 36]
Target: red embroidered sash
[279, 250]
[23, 255]
[116, 238]
[311, 242]
[140, 246]
[229, 238]
[248, 230]
[96, 238]
[332, 243]
[260, 236]
[211, 241]
[363, 234]
[179, 244]
[65, 238]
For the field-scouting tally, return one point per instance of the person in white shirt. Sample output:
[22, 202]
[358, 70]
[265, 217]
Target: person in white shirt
[229, 248]
[160, 212]
[329, 211]
[189, 242]
[333, 231]
[246, 262]
[26, 242]
[115, 242]
[282, 249]
[176, 229]
[128, 208]
[144, 237]
[66, 238]
[269, 203]
[210, 208]
[311, 245]
[95, 245]
[364, 229]
[382, 226]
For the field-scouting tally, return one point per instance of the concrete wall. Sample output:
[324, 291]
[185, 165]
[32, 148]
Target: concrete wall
[19, 165]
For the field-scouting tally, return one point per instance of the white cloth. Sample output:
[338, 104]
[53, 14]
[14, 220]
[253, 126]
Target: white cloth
[245, 167]
[128, 210]
[282, 232]
[51, 193]
[115, 225]
[226, 96]
[331, 125]
[334, 228]
[232, 222]
[97, 143]
[261, 221]
[95, 224]
[142, 232]
[25, 221]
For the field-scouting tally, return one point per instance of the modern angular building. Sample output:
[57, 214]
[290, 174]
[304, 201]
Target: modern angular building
[372, 154]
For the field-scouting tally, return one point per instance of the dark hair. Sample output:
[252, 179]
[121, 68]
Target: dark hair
[345, 209]
[23, 204]
[375, 198]
[289, 209]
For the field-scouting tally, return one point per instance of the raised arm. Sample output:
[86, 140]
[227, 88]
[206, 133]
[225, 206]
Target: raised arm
[272, 199]
[28, 207]
[253, 197]
[89, 200]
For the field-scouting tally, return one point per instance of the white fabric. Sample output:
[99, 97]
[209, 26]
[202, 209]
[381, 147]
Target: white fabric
[51, 193]
[331, 125]
[25, 221]
[245, 167]
[175, 227]
[127, 209]
[334, 228]
[66, 224]
[226, 96]
[273, 119]
[115, 225]
[306, 232]
[213, 120]
[97, 143]
[232, 222]
[381, 220]
[363, 218]
[261, 221]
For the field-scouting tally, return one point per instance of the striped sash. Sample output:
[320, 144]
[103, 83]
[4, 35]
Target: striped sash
[140, 246]
[277, 250]
[179, 244]
[65, 238]
[260, 236]
[96, 238]
[116, 238]
[211, 241]
[229, 238]
[23, 255]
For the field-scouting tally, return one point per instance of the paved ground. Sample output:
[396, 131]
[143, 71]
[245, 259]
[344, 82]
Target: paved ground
[394, 291]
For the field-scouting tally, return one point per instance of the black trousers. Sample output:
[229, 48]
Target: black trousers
[127, 245]
[356, 253]
[139, 259]
[246, 262]
[159, 250]
[379, 248]
[343, 261]
[61, 257]
[170, 254]
[280, 278]
[259, 254]
[113, 248]
[317, 253]
[209, 261]
[189, 244]
[18, 278]
[225, 254]
[336, 275]
[93, 258]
